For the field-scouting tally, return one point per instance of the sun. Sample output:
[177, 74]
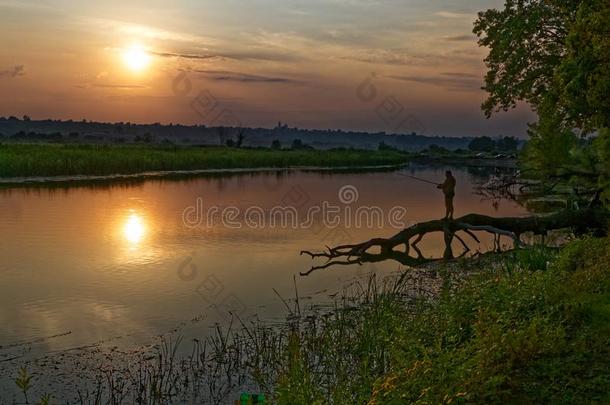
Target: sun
[136, 58]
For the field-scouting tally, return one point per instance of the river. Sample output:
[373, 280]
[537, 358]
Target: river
[127, 262]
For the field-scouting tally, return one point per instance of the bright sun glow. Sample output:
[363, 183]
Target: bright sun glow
[136, 57]
[134, 229]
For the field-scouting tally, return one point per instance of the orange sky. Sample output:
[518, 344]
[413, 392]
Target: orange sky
[297, 61]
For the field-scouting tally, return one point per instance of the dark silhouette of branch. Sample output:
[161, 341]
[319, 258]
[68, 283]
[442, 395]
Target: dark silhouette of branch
[379, 249]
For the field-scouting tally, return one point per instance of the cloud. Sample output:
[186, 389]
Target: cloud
[376, 56]
[120, 86]
[237, 55]
[463, 75]
[450, 81]
[261, 55]
[14, 72]
[185, 55]
[453, 14]
[225, 75]
[461, 38]
[409, 58]
[131, 30]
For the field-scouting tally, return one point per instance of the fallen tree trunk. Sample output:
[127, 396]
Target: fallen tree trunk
[592, 219]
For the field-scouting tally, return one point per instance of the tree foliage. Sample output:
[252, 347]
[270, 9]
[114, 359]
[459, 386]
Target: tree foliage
[555, 56]
[549, 52]
[526, 41]
[583, 77]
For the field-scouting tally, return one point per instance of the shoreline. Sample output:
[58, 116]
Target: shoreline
[466, 161]
[8, 182]
[20, 181]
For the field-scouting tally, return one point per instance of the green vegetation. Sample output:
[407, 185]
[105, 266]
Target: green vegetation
[552, 54]
[55, 160]
[535, 329]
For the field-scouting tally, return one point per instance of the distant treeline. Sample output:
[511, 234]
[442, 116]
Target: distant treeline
[282, 136]
[486, 144]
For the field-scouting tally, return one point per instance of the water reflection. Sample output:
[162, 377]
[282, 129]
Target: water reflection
[95, 260]
[134, 229]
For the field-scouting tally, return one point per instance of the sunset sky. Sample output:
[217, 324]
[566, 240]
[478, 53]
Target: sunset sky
[298, 61]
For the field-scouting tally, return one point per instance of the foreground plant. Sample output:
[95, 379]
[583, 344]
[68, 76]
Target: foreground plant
[24, 382]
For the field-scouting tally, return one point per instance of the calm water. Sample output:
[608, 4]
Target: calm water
[86, 264]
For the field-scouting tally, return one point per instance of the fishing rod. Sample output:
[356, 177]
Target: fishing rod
[420, 179]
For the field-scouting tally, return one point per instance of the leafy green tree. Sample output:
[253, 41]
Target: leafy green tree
[526, 41]
[549, 149]
[583, 77]
[549, 51]
[553, 55]
[602, 150]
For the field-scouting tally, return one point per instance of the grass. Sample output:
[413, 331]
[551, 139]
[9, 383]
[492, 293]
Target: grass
[534, 331]
[534, 328]
[18, 160]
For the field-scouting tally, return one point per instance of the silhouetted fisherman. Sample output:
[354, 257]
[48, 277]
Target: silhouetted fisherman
[448, 188]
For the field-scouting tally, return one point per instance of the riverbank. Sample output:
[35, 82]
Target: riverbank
[21, 161]
[465, 160]
[112, 179]
[530, 327]
[527, 326]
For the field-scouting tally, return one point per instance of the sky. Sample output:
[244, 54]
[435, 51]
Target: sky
[371, 65]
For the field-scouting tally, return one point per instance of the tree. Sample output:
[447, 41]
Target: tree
[526, 41]
[552, 54]
[241, 135]
[549, 50]
[549, 149]
[583, 77]
[437, 150]
[508, 144]
[400, 246]
[276, 144]
[482, 144]
[297, 144]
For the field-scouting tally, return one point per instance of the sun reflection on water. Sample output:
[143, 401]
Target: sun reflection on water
[134, 229]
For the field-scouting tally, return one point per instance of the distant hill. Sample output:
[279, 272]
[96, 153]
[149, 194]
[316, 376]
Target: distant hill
[26, 130]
